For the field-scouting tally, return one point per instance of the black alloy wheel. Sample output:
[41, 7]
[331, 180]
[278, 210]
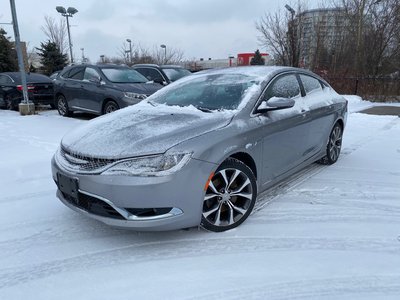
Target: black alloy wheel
[10, 105]
[62, 106]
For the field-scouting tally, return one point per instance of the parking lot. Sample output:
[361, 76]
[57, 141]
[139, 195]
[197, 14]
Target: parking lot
[329, 232]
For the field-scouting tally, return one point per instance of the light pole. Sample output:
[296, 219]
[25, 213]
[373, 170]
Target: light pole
[68, 13]
[291, 34]
[130, 50]
[165, 52]
[19, 55]
[83, 55]
[102, 58]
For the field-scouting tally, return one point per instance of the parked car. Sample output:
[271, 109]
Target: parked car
[54, 75]
[164, 74]
[199, 151]
[100, 89]
[40, 89]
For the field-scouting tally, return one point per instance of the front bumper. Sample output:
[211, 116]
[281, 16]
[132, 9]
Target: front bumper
[168, 202]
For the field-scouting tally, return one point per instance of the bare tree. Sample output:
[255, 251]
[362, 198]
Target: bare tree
[157, 55]
[168, 55]
[373, 35]
[281, 33]
[273, 30]
[56, 32]
[123, 53]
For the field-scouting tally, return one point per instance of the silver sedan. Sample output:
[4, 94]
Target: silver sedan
[200, 150]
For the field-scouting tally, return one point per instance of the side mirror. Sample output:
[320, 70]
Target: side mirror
[95, 80]
[160, 81]
[275, 104]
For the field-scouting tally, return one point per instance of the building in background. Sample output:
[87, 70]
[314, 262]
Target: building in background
[319, 33]
[242, 59]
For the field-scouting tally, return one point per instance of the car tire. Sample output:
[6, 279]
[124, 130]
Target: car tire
[62, 106]
[110, 107]
[230, 196]
[334, 146]
[10, 105]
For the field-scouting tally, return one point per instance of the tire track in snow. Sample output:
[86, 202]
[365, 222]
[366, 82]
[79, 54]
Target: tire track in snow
[298, 217]
[27, 196]
[298, 178]
[337, 287]
[187, 248]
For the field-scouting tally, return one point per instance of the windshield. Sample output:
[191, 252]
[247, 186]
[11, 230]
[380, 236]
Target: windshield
[210, 92]
[174, 74]
[121, 75]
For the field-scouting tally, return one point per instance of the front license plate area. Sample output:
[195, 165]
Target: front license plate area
[68, 186]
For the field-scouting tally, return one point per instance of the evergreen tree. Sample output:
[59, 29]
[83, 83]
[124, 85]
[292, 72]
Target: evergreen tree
[32, 69]
[8, 61]
[51, 57]
[257, 59]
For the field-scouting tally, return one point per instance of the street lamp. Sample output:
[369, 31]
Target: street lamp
[291, 10]
[165, 52]
[83, 55]
[102, 57]
[130, 49]
[68, 13]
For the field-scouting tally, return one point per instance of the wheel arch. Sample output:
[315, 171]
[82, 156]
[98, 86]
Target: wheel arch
[340, 122]
[247, 159]
[105, 101]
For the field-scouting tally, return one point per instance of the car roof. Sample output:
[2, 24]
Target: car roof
[159, 66]
[146, 65]
[171, 67]
[264, 72]
[16, 76]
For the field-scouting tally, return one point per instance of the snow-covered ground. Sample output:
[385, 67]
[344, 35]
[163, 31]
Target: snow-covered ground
[330, 232]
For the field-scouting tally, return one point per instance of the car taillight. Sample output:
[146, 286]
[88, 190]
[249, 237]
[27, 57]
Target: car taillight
[30, 87]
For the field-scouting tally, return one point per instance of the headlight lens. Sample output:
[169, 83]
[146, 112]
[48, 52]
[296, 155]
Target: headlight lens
[159, 165]
[134, 96]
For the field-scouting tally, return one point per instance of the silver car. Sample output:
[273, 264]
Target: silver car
[200, 150]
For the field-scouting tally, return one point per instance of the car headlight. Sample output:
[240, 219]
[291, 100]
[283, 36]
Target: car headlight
[159, 165]
[134, 96]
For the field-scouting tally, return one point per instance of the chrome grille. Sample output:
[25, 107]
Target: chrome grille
[82, 164]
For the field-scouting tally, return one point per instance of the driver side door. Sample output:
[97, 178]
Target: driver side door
[285, 134]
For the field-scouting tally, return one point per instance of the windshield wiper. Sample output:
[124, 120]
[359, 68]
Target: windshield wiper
[204, 109]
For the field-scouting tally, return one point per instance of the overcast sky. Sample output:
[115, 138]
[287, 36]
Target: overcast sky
[200, 28]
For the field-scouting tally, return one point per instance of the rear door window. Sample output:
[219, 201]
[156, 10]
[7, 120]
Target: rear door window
[5, 79]
[76, 73]
[310, 84]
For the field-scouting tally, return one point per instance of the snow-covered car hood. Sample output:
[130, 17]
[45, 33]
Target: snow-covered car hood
[141, 130]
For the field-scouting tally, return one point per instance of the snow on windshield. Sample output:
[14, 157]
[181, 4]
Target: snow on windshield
[210, 91]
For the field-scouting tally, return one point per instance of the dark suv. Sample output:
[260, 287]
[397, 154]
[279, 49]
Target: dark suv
[100, 89]
[164, 74]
